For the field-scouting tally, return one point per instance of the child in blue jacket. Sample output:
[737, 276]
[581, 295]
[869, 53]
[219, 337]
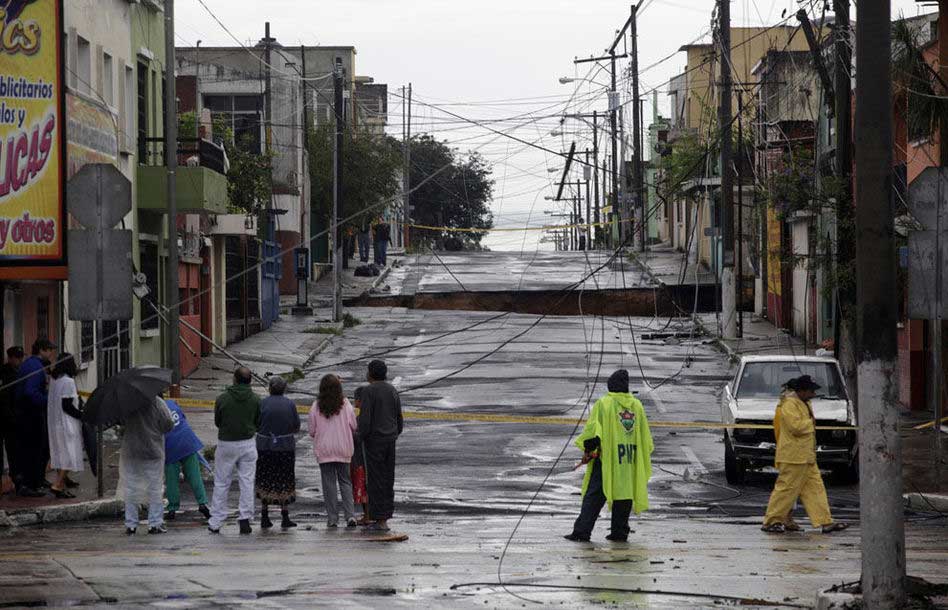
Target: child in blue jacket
[182, 452]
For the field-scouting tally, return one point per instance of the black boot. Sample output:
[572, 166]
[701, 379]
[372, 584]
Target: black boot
[286, 519]
[265, 522]
[244, 526]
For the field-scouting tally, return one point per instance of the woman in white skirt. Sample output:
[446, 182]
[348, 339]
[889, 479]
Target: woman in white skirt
[65, 424]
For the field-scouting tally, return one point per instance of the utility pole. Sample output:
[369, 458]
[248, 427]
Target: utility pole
[880, 449]
[613, 122]
[337, 192]
[171, 162]
[197, 90]
[406, 178]
[597, 230]
[728, 289]
[843, 331]
[638, 200]
[739, 262]
[587, 174]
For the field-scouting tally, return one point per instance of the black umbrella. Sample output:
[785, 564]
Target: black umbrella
[126, 393]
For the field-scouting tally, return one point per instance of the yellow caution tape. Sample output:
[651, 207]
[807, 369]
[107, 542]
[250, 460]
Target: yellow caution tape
[930, 424]
[499, 418]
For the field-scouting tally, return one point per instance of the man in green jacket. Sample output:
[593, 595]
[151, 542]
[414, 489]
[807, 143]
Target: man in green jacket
[237, 417]
[617, 445]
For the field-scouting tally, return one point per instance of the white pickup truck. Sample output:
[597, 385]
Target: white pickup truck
[752, 397]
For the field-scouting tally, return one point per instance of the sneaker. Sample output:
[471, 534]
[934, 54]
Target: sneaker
[202, 508]
[169, 516]
[129, 531]
[576, 538]
[158, 529]
[245, 526]
[352, 523]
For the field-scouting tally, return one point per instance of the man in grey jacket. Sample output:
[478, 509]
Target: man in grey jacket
[143, 465]
[380, 423]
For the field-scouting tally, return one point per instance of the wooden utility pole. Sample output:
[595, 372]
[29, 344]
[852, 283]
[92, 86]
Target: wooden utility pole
[728, 288]
[638, 199]
[880, 448]
[597, 230]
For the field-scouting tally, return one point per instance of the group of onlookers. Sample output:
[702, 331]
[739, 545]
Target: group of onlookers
[379, 235]
[40, 420]
[256, 444]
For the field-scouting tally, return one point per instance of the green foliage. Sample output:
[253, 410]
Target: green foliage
[187, 124]
[450, 190]
[322, 330]
[349, 320]
[371, 168]
[914, 78]
[686, 162]
[249, 181]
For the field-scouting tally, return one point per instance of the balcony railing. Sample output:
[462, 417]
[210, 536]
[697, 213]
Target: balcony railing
[191, 152]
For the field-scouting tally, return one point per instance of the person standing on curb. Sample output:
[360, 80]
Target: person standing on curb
[795, 430]
[237, 417]
[276, 453]
[379, 424]
[617, 445]
[31, 407]
[8, 440]
[182, 453]
[143, 462]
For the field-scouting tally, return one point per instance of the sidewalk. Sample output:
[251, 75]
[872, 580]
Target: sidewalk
[353, 286]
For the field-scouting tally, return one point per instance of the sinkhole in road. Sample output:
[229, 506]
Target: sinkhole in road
[660, 300]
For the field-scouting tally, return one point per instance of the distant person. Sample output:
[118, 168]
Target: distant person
[383, 237]
[183, 454]
[143, 463]
[331, 424]
[276, 453]
[617, 445]
[380, 423]
[799, 478]
[8, 440]
[363, 236]
[31, 406]
[237, 417]
[64, 417]
[357, 467]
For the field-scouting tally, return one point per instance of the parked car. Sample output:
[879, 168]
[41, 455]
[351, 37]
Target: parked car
[752, 397]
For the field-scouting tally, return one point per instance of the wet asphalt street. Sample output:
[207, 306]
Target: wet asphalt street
[483, 501]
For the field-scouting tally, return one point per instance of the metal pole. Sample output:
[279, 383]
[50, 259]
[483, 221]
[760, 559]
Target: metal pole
[637, 198]
[408, 171]
[728, 303]
[595, 165]
[882, 528]
[337, 194]
[100, 381]
[171, 162]
[589, 228]
[937, 368]
[302, 285]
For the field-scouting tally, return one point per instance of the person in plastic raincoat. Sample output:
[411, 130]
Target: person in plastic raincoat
[617, 445]
[795, 431]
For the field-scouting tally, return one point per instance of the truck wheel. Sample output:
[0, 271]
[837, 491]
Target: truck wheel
[735, 470]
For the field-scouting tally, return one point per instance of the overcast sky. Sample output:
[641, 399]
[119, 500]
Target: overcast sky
[496, 62]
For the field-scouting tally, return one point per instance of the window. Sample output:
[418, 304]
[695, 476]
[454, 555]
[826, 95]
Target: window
[148, 254]
[239, 113]
[141, 88]
[86, 342]
[129, 105]
[84, 66]
[108, 85]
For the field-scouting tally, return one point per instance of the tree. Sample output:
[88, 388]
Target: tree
[449, 190]
[371, 167]
[249, 183]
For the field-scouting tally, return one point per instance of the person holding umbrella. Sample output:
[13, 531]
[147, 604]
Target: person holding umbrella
[133, 398]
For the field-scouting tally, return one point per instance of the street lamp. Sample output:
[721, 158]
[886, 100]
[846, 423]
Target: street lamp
[565, 80]
[556, 133]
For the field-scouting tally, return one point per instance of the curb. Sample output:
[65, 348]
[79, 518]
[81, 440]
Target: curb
[834, 600]
[61, 513]
[933, 502]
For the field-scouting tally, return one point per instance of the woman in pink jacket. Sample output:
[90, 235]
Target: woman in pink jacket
[331, 424]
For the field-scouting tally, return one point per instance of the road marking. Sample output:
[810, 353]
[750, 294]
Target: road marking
[659, 405]
[693, 458]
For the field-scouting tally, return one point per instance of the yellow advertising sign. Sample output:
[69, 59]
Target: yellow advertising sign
[32, 142]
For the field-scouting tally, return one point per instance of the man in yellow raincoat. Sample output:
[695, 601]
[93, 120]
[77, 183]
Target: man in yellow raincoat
[617, 445]
[795, 431]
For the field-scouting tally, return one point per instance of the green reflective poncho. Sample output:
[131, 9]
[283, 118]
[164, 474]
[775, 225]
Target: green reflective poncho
[625, 451]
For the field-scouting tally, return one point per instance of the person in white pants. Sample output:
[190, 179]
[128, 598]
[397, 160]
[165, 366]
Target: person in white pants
[143, 465]
[237, 417]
